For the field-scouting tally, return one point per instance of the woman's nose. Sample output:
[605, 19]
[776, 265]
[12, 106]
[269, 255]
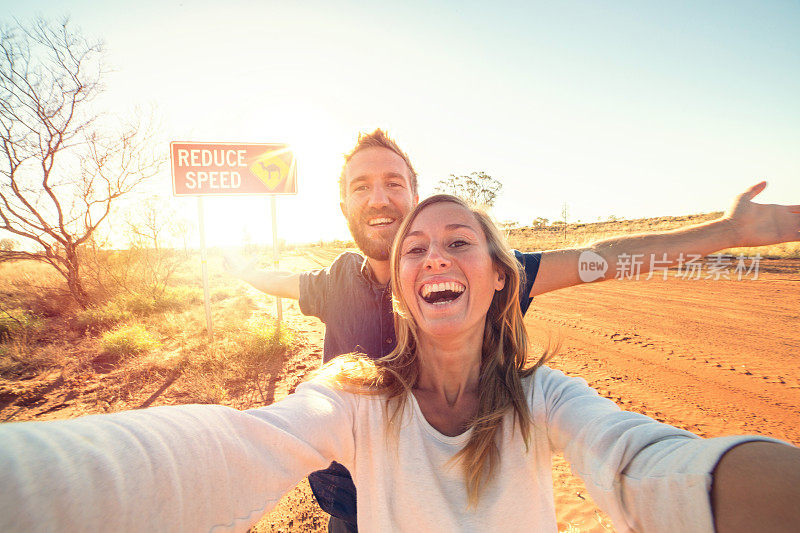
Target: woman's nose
[436, 258]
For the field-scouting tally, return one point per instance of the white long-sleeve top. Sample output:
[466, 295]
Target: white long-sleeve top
[212, 468]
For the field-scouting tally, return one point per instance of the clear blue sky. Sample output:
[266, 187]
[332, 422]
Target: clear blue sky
[628, 108]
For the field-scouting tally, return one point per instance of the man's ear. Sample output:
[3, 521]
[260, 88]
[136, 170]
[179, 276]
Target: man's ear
[500, 280]
[344, 210]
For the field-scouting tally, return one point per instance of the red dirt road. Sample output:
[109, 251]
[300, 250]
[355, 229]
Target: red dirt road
[714, 357]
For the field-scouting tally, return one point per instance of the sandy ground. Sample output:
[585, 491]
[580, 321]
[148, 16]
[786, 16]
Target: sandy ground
[714, 357]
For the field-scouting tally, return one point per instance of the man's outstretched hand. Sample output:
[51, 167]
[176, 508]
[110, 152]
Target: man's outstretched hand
[238, 266]
[762, 224]
[277, 283]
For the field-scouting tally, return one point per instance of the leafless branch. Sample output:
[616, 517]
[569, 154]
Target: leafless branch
[60, 171]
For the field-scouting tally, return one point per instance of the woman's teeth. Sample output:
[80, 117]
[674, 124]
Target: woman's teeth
[441, 292]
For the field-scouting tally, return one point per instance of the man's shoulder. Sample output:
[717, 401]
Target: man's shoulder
[522, 255]
[348, 257]
[345, 261]
[346, 264]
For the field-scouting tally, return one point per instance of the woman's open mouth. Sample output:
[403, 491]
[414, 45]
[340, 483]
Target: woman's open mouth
[441, 293]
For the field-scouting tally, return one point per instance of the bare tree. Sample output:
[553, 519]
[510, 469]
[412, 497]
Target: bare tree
[151, 225]
[154, 233]
[478, 188]
[61, 169]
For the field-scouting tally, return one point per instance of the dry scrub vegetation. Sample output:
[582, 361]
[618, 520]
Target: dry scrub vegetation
[125, 350]
[554, 236]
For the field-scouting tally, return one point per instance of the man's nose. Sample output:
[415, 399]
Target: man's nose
[378, 197]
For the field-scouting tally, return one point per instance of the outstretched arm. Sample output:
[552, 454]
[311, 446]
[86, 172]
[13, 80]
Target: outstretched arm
[757, 488]
[176, 468]
[746, 223]
[650, 476]
[278, 283]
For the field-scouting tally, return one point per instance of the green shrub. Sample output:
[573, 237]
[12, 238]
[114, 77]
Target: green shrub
[138, 303]
[261, 341]
[127, 340]
[103, 317]
[17, 323]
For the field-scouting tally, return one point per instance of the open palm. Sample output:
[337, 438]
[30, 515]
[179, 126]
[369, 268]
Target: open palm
[763, 224]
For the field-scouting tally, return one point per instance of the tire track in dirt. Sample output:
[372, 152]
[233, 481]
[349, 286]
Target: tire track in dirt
[679, 372]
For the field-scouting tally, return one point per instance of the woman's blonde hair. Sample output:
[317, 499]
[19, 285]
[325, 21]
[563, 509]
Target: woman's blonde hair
[504, 359]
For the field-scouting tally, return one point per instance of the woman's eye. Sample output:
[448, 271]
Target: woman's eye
[414, 250]
[458, 244]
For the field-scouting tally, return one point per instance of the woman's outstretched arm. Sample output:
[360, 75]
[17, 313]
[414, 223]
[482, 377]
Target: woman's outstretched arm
[184, 468]
[757, 488]
[646, 475]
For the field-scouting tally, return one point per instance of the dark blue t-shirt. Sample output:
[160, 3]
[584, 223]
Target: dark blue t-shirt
[357, 312]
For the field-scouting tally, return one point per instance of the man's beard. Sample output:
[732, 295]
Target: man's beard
[379, 248]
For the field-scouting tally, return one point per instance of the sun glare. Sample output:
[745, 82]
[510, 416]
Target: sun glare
[309, 216]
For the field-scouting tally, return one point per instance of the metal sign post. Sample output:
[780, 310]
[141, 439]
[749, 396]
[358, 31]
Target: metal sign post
[275, 251]
[204, 262]
[232, 169]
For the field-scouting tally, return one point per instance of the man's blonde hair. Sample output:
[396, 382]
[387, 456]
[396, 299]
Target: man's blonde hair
[376, 139]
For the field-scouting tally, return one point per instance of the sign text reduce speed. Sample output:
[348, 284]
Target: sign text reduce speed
[229, 168]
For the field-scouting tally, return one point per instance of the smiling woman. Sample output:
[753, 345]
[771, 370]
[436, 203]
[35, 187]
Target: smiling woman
[445, 271]
[452, 431]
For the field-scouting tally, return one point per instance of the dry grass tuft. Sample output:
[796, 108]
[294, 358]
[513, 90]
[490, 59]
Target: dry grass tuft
[125, 341]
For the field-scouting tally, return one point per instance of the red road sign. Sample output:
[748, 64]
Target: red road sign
[232, 168]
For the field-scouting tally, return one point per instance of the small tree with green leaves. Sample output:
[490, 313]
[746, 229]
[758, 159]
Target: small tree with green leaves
[477, 188]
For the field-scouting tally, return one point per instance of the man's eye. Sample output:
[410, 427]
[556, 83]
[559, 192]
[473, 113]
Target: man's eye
[395, 184]
[360, 188]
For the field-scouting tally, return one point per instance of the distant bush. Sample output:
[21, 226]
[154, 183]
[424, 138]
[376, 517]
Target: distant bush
[127, 340]
[99, 318]
[17, 323]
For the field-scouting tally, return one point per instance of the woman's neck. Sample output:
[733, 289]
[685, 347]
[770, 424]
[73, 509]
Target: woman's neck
[450, 368]
[447, 391]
